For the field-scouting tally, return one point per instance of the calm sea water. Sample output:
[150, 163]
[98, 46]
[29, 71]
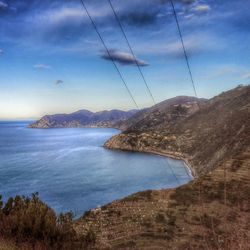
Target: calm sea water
[72, 171]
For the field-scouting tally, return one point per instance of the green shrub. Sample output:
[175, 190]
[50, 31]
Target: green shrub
[29, 221]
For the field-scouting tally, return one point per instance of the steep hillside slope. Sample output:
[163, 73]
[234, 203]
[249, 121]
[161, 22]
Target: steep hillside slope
[215, 132]
[162, 114]
[83, 118]
[211, 212]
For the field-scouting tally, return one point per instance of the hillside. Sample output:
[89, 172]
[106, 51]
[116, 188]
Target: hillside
[211, 212]
[203, 138]
[162, 114]
[83, 118]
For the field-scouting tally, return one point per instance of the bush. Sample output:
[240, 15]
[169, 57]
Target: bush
[29, 221]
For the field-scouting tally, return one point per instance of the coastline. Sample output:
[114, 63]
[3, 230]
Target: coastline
[172, 155]
[210, 211]
[65, 127]
[190, 169]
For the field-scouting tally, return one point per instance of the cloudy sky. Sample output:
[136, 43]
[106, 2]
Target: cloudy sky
[52, 61]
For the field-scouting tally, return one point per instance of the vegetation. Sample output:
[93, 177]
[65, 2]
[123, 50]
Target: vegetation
[211, 212]
[31, 224]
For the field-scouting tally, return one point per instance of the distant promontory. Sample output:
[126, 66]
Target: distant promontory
[84, 118]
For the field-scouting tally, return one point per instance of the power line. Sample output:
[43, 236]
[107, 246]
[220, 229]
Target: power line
[138, 66]
[184, 48]
[108, 52]
[131, 50]
[169, 166]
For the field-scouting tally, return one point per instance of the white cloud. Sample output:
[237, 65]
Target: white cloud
[3, 5]
[246, 75]
[41, 66]
[202, 8]
[90, 42]
[196, 43]
[191, 44]
[63, 14]
[189, 16]
[228, 70]
[73, 14]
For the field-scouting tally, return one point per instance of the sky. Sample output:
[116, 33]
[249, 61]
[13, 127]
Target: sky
[52, 60]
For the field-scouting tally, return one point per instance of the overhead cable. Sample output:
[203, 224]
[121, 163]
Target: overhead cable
[131, 51]
[108, 53]
[184, 48]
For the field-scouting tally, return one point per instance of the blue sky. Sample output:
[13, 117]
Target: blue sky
[52, 61]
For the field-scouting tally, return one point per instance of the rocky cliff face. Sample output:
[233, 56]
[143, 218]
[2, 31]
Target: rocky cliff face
[204, 137]
[83, 118]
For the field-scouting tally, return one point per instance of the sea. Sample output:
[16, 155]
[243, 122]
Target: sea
[72, 171]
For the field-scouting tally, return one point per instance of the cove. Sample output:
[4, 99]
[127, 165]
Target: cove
[72, 171]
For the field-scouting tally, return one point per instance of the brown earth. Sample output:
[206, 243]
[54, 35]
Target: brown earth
[211, 212]
[218, 130]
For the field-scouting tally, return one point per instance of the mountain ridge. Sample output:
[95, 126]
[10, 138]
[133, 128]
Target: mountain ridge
[116, 118]
[83, 118]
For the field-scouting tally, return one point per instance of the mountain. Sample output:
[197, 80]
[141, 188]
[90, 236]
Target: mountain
[203, 136]
[83, 118]
[158, 116]
[212, 211]
[162, 114]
